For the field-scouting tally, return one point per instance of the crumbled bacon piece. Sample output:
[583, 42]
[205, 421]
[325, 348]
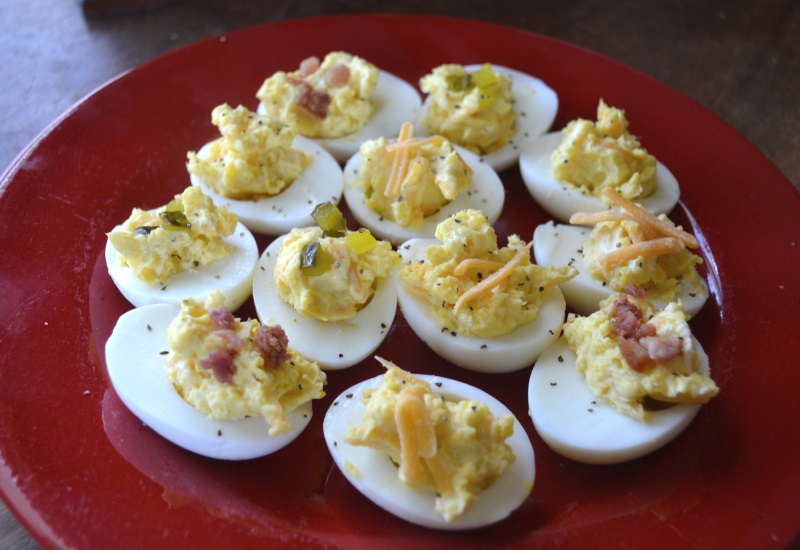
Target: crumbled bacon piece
[233, 342]
[637, 341]
[273, 343]
[220, 362]
[635, 291]
[635, 355]
[337, 76]
[313, 101]
[661, 349]
[222, 317]
[309, 66]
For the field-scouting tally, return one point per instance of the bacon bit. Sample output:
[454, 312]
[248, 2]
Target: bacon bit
[337, 76]
[222, 317]
[399, 163]
[494, 279]
[626, 318]
[273, 343]
[233, 342]
[220, 362]
[635, 291]
[661, 349]
[309, 66]
[313, 101]
[634, 354]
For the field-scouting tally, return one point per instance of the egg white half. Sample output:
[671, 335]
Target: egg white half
[507, 353]
[485, 193]
[561, 200]
[536, 105]
[231, 275]
[321, 181]
[395, 101]
[332, 344]
[557, 244]
[575, 424]
[375, 476]
[136, 361]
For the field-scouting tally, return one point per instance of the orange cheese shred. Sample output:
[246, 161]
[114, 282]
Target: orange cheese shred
[400, 162]
[494, 279]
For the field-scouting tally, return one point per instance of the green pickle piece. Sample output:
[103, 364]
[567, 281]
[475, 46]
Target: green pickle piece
[175, 220]
[361, 241]
[459, 82]
[314, 260]
[330, 219]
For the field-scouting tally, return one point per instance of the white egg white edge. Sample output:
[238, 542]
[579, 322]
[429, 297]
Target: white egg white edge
[561, 200]
[333, 344]
[559, 244]
[536, 105]
[500, 354]
[231, 275]
[486, 193]
[374, 475]
[395, 101]
[137, 369]
[321, 181]
[577, 425]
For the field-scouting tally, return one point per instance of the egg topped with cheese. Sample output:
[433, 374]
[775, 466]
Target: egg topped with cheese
[596, 155]
[329, 277]
[326, 99]
[253, 158]
[233, 369]
[409, 179]
[456, 449]
[629, 246]
[471, 108]
[630, 353]
[476, 288]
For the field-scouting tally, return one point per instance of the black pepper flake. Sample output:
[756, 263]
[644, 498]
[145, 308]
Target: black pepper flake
[590, 410]
[383, 325]
[261, 268]
[474, 408]
[341, 355]
[163, 352]
[484, 346]
[692, 294]
[300, 387]
[163, 288]
[551, 331]
[335, 444]
[196, 263]
[335, 403]
[149, 328]
[554, 383]
[541, 289]
[560, 359]
[452, 333]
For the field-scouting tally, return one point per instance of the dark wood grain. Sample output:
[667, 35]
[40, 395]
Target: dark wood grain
[739, 59]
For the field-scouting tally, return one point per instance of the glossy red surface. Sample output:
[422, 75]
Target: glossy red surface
[81, 472]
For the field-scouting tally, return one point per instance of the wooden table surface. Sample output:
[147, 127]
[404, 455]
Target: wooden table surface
[740, 59]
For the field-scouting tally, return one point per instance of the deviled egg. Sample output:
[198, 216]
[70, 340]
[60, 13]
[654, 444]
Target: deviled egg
[264, 173]
[566, 171]
[493, 111]
[185, 249]
[433, 451]
[340, 101]
[621, 383]
[402, 189]
[210, 383]
[330, 289]
[630, 246]
[479, 306]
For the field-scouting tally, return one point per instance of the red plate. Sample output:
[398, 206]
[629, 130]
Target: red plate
[81, 472]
